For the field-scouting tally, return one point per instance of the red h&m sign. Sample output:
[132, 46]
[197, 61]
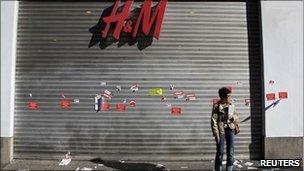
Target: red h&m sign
[123, 22]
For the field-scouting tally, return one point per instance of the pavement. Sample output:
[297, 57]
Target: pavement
[27, 165]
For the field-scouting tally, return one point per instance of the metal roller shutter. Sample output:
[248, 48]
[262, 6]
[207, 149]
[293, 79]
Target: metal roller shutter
[203, 46]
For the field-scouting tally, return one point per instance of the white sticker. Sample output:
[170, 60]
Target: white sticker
[236, 162]
[65, 162]
[178, 94]
[76, 100]
[107, 94]
[134, 87]
[103, 83]
[239, 166]
[248, 164]
[252, 168]
[118, 88]
[98, 100]
[160, 165]
[62, 95]
[171, 87]
[191, 97]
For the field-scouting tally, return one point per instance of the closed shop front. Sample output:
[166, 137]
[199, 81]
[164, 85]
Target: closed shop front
[60, 67]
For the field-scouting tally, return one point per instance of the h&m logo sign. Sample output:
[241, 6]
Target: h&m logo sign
[119, 24]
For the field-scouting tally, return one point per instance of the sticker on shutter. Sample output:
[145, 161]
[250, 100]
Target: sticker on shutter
[105, 106]
[32, 105]
[176, 111]
[65, 104]
[156, 91]
[178, 94]
[120, 107]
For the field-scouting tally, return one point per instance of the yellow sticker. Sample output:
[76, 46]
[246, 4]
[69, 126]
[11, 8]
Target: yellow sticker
[156, 92]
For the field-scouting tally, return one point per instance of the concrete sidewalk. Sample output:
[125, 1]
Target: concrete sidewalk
[25, 165]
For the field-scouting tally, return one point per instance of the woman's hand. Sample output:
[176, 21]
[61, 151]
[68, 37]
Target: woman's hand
[230, 118]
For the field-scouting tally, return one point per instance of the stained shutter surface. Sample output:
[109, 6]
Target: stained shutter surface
[203, 46]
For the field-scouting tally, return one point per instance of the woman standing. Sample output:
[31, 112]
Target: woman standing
[224, 124]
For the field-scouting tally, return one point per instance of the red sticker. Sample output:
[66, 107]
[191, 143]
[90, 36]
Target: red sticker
[132, 103]
[270, 96]
[65, 104]
[283, 95]
[176, 111]
[105, 106]
[32, 105]
[215, 100]
[120, 107]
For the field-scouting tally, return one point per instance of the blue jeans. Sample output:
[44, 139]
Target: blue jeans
[229, 136]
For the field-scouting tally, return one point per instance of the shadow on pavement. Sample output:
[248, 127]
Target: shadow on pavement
[125, 166]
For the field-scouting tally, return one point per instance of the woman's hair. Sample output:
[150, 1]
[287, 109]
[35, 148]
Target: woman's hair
[223, 92]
